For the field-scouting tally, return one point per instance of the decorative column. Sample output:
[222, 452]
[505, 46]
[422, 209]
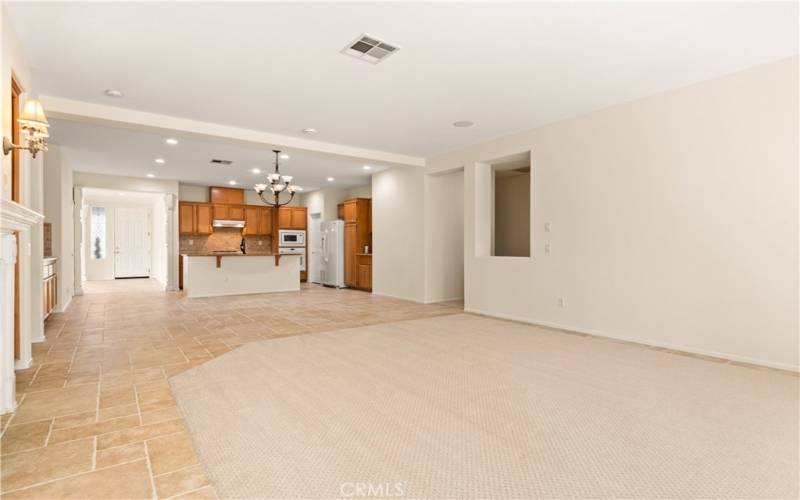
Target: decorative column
[173, 243]
[77, 241]
[14, 219]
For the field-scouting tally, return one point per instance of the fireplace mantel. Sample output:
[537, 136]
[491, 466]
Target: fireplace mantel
[14, 218]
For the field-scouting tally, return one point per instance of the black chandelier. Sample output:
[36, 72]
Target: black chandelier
[277, 184]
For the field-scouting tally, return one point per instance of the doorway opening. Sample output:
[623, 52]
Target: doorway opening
[124, 235]
[315, 247]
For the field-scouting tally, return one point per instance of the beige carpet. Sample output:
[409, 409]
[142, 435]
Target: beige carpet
[466, 406]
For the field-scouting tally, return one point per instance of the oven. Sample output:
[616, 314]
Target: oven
[291, 238]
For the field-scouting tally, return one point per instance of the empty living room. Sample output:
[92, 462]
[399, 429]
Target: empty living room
[406, 250]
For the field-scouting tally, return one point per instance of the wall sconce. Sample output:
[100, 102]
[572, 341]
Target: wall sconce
[34, 123]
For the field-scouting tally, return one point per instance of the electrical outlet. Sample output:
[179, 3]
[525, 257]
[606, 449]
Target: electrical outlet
[191, 242]
[546, 227]
[260, 242]
[561, 302]
[547, 248]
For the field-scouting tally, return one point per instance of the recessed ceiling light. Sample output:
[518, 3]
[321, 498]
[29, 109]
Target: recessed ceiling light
[160, 161]
[367, 167]
[463, 123]
[309, 131]
[151, 175]
[284, 156]
[331, 179]
[113, 93]
[232, 183]
[172, 141]
[256, 170]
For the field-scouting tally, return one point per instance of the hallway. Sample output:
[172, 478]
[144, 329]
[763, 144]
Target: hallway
[96, 417]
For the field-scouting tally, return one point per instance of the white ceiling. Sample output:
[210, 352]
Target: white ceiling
[118, 151]
[276, 66]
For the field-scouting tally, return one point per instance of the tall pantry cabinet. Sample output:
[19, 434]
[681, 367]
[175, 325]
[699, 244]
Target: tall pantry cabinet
[357, 215]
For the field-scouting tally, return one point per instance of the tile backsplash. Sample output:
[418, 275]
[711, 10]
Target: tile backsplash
[225, 239]
[48, 239]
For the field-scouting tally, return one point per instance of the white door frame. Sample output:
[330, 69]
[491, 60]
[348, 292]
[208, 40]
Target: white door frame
[314, 247]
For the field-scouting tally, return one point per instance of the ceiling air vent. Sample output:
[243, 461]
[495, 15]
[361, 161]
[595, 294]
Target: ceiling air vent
[370, 49]
[221, 162]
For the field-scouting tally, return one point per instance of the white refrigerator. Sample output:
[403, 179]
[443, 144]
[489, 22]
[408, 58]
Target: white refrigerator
[332, 269]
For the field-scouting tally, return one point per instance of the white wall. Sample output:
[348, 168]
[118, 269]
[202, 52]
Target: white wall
[674, 220]
[444, 236]
[189, 192]
[364, 191]
[398, 264]
[160, 251]
[58, 211]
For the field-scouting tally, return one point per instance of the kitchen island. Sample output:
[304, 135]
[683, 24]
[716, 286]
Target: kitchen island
[212, 275]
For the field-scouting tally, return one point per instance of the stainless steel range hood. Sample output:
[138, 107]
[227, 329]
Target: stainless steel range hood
[227, 223]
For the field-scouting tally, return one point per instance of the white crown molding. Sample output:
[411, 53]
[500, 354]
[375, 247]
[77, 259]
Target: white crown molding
[86, 112]
[15, 217]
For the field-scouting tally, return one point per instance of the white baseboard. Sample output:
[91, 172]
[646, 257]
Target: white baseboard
[22, 364]
[390, 296]
[226, 294]
[438, 301]
[647, 342]
[64, 307]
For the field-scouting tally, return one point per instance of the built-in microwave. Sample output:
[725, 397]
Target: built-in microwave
[291, 238]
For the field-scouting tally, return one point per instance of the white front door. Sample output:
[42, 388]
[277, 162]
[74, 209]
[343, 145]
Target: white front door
[132, 243]
[315, 248]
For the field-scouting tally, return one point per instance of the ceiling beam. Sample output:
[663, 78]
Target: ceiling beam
[86, 112]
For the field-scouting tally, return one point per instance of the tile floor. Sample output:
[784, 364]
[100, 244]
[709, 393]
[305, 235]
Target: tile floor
[96, 418]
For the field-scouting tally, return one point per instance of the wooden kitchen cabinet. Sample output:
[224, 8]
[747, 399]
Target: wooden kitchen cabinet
[186, 218]
[299, 218]
[357, 234]
[203, 218]
[226, 195]
[229, 212]
[364, 274]
[292, 217]
[258, 220]
[194, 218]
[265, 221]
[236, 212]
[350, 250]
[49, 287]
[285, 217]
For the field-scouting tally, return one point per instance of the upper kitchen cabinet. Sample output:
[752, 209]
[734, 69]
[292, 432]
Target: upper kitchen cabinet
[265, 220]
[258, 220]
[186, 218]
[194, 218]
[357, 210]
[228, 212]
[203, 218]
[292, 217]
[226, 196]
